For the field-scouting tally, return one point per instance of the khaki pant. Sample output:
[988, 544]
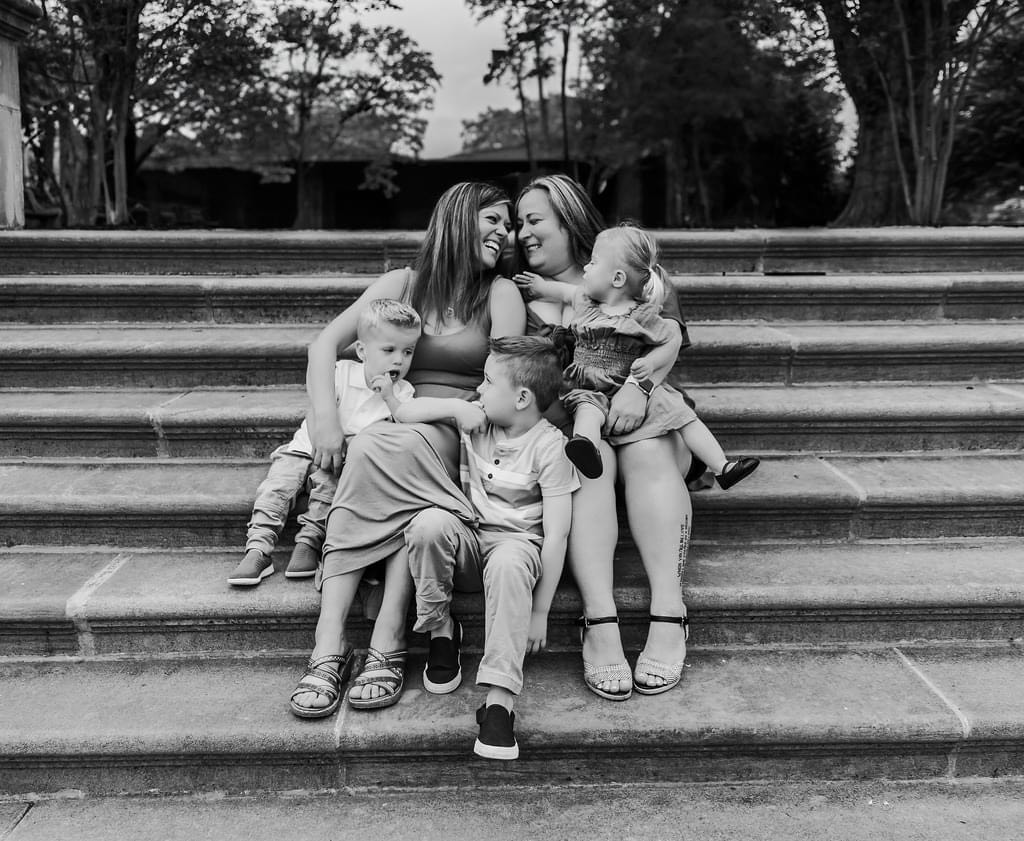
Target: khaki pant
[446, 554]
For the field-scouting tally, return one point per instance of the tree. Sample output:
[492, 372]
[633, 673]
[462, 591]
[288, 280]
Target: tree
[502, 128]
[906, 65]
[987, 165]
[334, 70]
[104, 83]
[701, 85]
[530, 26]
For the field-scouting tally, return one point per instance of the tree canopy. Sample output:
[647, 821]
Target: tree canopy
[105, 84]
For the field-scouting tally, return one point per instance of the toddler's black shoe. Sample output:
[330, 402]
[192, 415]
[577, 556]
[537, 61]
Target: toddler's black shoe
[497, 739]
[443, 672]
[734, 471]
[583, 453]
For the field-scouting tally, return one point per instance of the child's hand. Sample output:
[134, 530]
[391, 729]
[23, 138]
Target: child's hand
[537, 638]
[383, 385]
[642, 369]
[528, 284]
[470, 417]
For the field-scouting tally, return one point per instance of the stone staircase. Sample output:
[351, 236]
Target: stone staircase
[857, 605]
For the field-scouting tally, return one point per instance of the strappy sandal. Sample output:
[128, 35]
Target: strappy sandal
[383, 669]
[593, 675]
[670, 672]
[331, 686]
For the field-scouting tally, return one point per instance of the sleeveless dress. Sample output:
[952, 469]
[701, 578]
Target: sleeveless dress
[393, 471]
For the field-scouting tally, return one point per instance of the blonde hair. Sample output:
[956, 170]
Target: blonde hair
[573, 209]
[386, 311]
[647, 280]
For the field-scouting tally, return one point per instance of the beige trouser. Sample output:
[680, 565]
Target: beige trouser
[446, 554]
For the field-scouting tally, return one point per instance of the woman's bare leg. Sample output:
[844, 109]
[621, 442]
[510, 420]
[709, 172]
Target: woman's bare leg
[659, 512]
[591, 554]
[335, 603]
[389, 627]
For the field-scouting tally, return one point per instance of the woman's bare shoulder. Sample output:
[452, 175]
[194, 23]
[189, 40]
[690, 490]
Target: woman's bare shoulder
[392, 283]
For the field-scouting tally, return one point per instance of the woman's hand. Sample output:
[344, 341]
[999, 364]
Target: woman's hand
[627, 410]
[537, 636]
[329, 450]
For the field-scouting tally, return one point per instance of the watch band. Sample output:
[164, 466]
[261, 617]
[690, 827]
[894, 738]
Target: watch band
[646, 386]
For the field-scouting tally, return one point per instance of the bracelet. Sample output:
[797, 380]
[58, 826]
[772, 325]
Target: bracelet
[647, 386]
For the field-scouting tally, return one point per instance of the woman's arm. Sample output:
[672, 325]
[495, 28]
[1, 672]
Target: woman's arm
[324, 428]
[508, 312]
[656, 363]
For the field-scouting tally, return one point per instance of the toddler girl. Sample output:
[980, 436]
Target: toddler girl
[621, 339]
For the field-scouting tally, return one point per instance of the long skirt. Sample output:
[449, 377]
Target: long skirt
[392, 472]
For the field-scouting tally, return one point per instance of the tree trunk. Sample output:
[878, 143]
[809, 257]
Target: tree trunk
[876, 196]
[565, 105]
[309, 197]
[526, 120]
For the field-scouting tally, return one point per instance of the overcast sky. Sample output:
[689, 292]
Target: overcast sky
[461, 49]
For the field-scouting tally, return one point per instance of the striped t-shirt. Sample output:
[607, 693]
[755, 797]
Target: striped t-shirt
[507, 479]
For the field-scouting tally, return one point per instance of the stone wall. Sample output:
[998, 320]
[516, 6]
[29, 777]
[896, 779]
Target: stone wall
[16, 20]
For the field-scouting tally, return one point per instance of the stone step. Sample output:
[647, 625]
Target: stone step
[89, 601]
[249, 423]
[190, 355]
[802, 251]
[186, 503]
[34, 299]
[163, 725]
[947, 809]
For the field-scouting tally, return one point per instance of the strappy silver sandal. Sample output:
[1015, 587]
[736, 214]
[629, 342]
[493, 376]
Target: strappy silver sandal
[384, 669]
[593, 675]
[330, 688]
[672, 673]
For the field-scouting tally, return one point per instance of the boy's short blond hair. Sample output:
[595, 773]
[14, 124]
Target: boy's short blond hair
[532, 362]
[387, 311]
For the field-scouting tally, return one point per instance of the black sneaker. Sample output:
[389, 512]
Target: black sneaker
[497, 739]
[443, 672]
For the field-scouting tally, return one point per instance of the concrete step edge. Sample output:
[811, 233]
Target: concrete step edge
[752, 714]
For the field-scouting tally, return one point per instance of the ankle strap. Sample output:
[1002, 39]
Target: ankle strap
[683, 621]
[583, 622]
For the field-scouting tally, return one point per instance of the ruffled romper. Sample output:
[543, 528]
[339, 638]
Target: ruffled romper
[606, 346]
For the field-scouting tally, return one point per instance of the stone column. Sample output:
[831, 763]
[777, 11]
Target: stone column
[17, 17]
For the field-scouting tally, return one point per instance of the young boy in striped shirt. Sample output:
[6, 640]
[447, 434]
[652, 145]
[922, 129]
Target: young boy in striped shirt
[516, 474]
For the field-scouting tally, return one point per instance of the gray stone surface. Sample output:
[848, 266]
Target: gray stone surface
[743, 714]
[945, 811]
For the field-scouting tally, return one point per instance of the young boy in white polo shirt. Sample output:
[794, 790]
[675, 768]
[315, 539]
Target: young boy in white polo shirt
[387, 333]
[516, 474]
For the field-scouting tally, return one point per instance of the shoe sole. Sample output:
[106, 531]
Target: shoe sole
[655, 690]
[302, 574]
[609, 696]
[251, 582]
[450, 685]
[442, 688]
[495, 751]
